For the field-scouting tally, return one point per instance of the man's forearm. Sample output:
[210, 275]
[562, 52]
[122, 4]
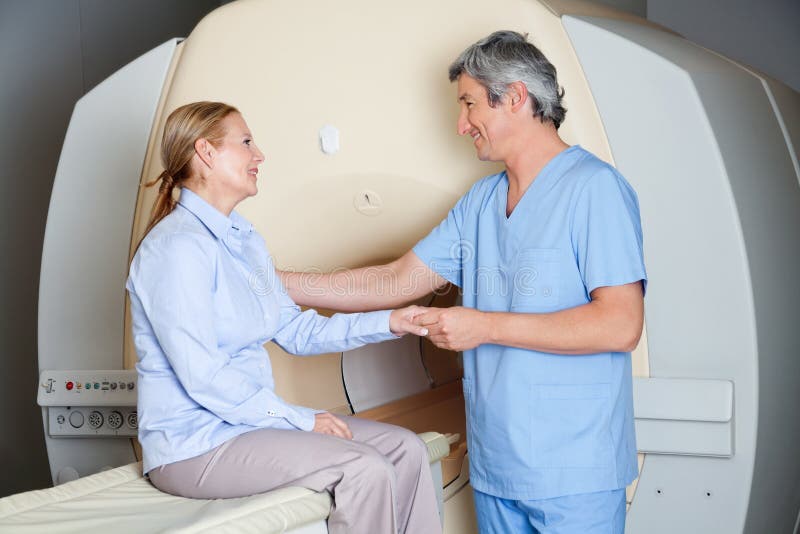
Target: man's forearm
[368, 288]
[363, 289]
[611, 322]
[580, 330]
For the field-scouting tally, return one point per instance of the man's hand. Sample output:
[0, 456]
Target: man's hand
[327, 423]
[401, 321]
[455, 328]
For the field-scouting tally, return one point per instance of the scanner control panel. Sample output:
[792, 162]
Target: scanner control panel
[86, 403]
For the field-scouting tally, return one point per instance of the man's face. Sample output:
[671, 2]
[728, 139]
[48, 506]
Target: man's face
[488, 126]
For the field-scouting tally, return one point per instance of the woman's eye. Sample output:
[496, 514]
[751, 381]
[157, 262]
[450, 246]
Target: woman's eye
[248, 141]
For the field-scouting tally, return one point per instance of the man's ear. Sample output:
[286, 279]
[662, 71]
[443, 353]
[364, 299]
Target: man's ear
[517, 95]
[205, 151]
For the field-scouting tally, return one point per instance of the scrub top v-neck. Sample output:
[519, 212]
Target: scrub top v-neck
[542, 425]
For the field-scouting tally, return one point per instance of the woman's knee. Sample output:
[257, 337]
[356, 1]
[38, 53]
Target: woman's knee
[413, 447]
[373, 465]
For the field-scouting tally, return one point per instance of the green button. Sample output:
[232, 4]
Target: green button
[97, 385]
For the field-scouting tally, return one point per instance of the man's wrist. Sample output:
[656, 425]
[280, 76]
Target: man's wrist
[489, 320]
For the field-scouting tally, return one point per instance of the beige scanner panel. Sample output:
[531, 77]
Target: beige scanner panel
[377, 73]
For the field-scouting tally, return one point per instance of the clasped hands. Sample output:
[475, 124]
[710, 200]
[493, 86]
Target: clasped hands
[455, 328]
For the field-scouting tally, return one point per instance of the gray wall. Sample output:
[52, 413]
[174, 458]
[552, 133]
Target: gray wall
[637, 7]
[763, 34]
[51, 53]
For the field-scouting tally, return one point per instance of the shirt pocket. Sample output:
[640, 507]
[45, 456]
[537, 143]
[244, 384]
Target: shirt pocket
[570, 425]
[536, 282]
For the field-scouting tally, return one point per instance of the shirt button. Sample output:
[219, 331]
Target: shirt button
[271, 413]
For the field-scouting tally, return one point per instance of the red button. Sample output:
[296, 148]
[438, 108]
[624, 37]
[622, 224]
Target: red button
[69, 385]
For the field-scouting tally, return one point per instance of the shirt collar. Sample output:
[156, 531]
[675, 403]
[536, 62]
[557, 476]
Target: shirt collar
[240, 223]
[217, 223]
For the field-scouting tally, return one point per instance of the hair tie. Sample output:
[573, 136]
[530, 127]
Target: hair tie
[167, 181]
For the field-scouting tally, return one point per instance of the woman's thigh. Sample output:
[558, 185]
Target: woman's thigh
[385, 438]
[268, 459]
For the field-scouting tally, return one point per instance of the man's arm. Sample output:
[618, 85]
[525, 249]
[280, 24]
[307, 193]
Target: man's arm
[611, 322]
[368, 288]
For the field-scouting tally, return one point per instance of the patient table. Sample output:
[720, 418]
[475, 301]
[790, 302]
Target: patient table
[122, 501]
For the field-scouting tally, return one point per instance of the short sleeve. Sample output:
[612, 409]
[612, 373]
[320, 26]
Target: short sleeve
[606, 232]
[442, 250]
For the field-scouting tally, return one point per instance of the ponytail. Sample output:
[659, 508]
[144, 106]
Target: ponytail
[165, 201]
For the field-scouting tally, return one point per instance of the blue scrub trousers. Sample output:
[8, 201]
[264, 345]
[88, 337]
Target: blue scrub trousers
[587, 513]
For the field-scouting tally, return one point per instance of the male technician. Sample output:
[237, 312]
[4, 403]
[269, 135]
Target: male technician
[549, 257]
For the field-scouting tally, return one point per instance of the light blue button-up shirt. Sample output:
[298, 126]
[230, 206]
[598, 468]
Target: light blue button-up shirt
[205, 299]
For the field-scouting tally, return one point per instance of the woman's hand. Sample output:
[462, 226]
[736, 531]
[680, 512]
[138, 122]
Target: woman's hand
[327, 423]
[401, 321]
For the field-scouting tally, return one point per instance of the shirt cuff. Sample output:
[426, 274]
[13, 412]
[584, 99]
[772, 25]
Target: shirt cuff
[380, 320]
[303, 418]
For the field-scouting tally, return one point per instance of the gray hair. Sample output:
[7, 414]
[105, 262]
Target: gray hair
[506, 57]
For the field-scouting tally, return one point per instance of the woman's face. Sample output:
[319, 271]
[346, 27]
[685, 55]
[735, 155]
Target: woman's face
[235, 170]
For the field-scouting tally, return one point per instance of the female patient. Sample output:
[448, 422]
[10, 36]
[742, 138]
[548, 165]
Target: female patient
[205, 299]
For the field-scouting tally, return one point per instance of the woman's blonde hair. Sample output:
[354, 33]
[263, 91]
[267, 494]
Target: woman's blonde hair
[184, 126]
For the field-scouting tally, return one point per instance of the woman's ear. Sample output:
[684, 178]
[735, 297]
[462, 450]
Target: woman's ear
[205, 151]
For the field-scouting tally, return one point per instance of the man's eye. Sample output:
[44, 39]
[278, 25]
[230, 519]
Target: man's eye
[248, 141]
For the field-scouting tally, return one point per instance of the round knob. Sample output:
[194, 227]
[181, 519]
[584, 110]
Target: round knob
[76, 419]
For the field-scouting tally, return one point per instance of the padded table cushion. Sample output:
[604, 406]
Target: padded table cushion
[121, 500]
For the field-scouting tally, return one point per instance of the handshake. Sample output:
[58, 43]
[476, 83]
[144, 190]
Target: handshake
[455, 328]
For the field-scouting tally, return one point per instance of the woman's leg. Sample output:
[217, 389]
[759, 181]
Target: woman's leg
[417, 512]
[361, 479]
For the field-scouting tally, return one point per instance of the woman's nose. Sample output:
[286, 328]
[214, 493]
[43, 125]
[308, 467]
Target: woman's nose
[258, 155]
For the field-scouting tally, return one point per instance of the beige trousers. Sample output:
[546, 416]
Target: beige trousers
[380, 480]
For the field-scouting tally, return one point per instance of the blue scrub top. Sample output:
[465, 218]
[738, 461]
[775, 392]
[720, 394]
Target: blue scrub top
[542, 425]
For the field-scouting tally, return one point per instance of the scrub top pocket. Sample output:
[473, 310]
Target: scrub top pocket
[536, 281]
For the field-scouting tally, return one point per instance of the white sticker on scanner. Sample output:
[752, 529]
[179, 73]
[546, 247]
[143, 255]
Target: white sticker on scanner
[329, 139]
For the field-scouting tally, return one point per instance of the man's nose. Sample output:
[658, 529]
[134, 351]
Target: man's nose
[462, 125]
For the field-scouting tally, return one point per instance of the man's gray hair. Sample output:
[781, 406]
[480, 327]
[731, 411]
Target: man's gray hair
[505, 57]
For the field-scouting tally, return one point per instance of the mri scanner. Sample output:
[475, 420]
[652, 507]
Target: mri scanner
[352, 107]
